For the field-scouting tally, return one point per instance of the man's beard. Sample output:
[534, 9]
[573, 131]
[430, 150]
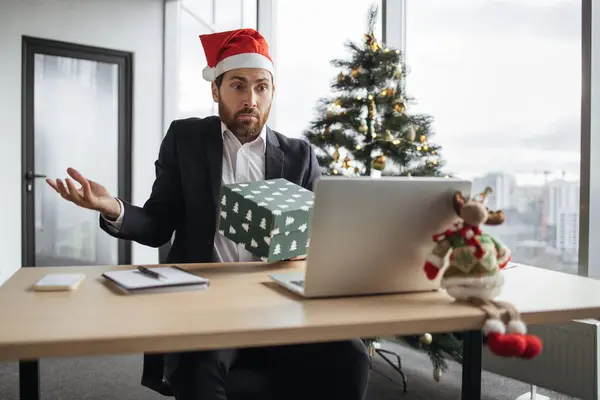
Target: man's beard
[244, 130]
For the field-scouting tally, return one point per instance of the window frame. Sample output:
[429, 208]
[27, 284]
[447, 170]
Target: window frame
[394, 34]
[589, 218]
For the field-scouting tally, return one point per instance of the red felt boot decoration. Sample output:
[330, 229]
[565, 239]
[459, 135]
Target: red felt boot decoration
[431, 270]
[507, 344]
[533, 347]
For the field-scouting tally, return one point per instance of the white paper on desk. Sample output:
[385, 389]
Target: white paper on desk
[132, 279]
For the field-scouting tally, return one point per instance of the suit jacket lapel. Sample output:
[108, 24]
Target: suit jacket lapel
[214, 159]
[274, 159]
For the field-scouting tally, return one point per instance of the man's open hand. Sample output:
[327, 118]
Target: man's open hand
[90, 195]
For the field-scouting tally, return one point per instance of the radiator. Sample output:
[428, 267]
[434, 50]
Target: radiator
[567, 365]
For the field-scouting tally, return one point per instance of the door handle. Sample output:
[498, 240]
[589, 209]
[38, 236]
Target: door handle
[30, 175]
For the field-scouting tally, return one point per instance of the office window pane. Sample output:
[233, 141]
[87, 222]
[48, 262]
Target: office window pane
[302, 64]
[195, 99]
[228, 14]
[203, 9]
[502, 80]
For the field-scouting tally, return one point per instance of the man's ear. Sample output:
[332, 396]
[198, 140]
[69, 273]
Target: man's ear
[215, 92]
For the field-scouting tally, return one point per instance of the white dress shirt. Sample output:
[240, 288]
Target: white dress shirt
[241, 163]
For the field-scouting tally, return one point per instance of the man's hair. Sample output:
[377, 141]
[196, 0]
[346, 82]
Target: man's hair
[219, 80]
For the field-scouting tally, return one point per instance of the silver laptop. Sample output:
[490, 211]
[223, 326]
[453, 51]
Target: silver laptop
[371, 236]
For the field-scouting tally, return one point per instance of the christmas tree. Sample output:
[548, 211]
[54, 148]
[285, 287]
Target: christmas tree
[364, 129]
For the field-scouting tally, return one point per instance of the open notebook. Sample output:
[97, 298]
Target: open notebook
[172, 279]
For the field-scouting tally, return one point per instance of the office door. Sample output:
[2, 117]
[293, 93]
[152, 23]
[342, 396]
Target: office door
[76, 105]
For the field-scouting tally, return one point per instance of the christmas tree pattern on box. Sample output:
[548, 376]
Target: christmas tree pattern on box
[269, 218]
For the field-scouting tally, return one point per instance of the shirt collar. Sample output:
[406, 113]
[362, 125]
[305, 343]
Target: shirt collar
[262, 137]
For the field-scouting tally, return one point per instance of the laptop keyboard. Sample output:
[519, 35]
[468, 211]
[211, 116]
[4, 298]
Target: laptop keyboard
[298, 283]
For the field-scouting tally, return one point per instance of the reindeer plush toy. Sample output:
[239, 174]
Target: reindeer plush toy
[474, 274]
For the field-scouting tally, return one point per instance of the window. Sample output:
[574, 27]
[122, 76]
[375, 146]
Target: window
[302, 63]
[502, 80]
[194, 92]
[197, 18]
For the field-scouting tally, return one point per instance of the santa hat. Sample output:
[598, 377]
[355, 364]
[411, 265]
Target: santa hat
[240, 48]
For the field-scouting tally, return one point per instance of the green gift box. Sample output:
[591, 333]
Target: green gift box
[270, 218]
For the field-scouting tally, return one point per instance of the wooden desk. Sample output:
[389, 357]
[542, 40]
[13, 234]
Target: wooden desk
[243, 308]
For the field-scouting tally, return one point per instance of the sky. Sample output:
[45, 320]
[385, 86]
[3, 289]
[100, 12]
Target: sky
[501, 78]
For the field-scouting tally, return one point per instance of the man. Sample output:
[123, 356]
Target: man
[196, 157]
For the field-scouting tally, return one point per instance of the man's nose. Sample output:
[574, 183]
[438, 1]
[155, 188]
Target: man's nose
[250, 100]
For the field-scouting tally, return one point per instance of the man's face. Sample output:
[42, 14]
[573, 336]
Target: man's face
[244, 98]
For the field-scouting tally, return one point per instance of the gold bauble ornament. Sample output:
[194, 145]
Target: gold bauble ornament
[372, 109]
[355, 72]
[347, 163]
[437, 374]
[336, 153]
[399, 107]
[411, 134]
[379, 163]
[363, 128]
[373, 44]
[426, 338]
[341, 77]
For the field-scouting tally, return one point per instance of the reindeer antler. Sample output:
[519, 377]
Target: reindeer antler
[459, 201]
[495, 218]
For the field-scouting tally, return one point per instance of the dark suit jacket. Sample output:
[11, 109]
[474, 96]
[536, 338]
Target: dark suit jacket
[184, 198]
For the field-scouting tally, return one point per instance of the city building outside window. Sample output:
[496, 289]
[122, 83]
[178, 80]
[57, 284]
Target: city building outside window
[502, 80]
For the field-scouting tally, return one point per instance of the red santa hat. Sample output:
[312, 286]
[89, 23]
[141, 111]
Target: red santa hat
[240, 48]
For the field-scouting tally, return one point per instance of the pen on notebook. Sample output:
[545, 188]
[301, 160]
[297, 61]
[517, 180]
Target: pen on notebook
[148, 272]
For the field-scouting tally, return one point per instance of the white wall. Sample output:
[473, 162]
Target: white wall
[129, 25]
